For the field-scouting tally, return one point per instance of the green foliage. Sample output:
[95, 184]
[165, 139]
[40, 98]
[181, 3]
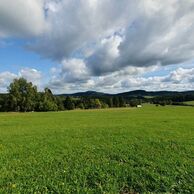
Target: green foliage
[59, 102]
[4, 102]
[134, 102]
[22, 95]
[49, 101]
[81, 105]
[104, 105]
[69, 104]
[110, 102]
[116, 101]
[95, 103]
[121, 102]
[148, 150]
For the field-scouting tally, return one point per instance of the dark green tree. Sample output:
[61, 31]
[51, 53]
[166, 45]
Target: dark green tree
[96, 103]
[68, 103]
[4, 102]
[104, 105]
[134, 102]
[47, 101]
[22, 95]
[115, 101]
[59, 102]
[81, 105]
[110, 102]
[121, 102]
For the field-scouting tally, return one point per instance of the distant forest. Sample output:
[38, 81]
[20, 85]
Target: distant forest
[23, 96]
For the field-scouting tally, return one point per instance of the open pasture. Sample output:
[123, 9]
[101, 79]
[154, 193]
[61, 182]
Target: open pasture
[130, 150]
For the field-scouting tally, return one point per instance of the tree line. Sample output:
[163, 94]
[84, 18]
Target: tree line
[23, 96]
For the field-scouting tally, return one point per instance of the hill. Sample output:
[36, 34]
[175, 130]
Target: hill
[135, 93]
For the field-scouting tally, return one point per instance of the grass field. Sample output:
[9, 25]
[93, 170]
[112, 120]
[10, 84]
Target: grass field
[150, 149]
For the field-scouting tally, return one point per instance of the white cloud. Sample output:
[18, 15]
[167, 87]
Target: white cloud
[180, 79]
[111, 35]
[72, 70]
[108, 43]
[5, 79]
[104, 58]
[132, 78]
[161, 34]
[75, 24]
[31, 75]
[22, 18]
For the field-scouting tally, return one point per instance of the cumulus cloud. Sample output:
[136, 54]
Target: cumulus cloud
[94, 39]
[22, 18]
[131, 78]
[180, 79]
[104, 58]
[5, 79]
[163, 34]
[74, 24]
[71, 71]
[106, 43]
[31, 75]
[153, 31]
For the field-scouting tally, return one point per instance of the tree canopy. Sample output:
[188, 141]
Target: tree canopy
[22, 95]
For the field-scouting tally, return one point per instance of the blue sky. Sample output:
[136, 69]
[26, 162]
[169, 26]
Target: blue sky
[109, 45]
[14, 56]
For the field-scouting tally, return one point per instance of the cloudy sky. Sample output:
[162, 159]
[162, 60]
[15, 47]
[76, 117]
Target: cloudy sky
[104, 45]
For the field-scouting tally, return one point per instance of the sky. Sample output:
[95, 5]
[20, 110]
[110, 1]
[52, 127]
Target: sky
[103, 45]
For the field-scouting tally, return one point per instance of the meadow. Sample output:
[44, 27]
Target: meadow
[129, 150]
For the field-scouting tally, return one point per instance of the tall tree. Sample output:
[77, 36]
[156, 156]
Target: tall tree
[115, 101]
[110, 102]
[121, 102]
[97, 103]
[68, 103]
[22, 95]
[47, 101]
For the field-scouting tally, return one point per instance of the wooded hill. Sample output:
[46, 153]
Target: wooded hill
[134, 93]
[23, 96]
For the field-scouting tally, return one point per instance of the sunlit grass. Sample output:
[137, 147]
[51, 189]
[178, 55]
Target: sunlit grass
[150, 149]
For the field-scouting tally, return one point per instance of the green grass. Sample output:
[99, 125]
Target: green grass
[144, 150]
